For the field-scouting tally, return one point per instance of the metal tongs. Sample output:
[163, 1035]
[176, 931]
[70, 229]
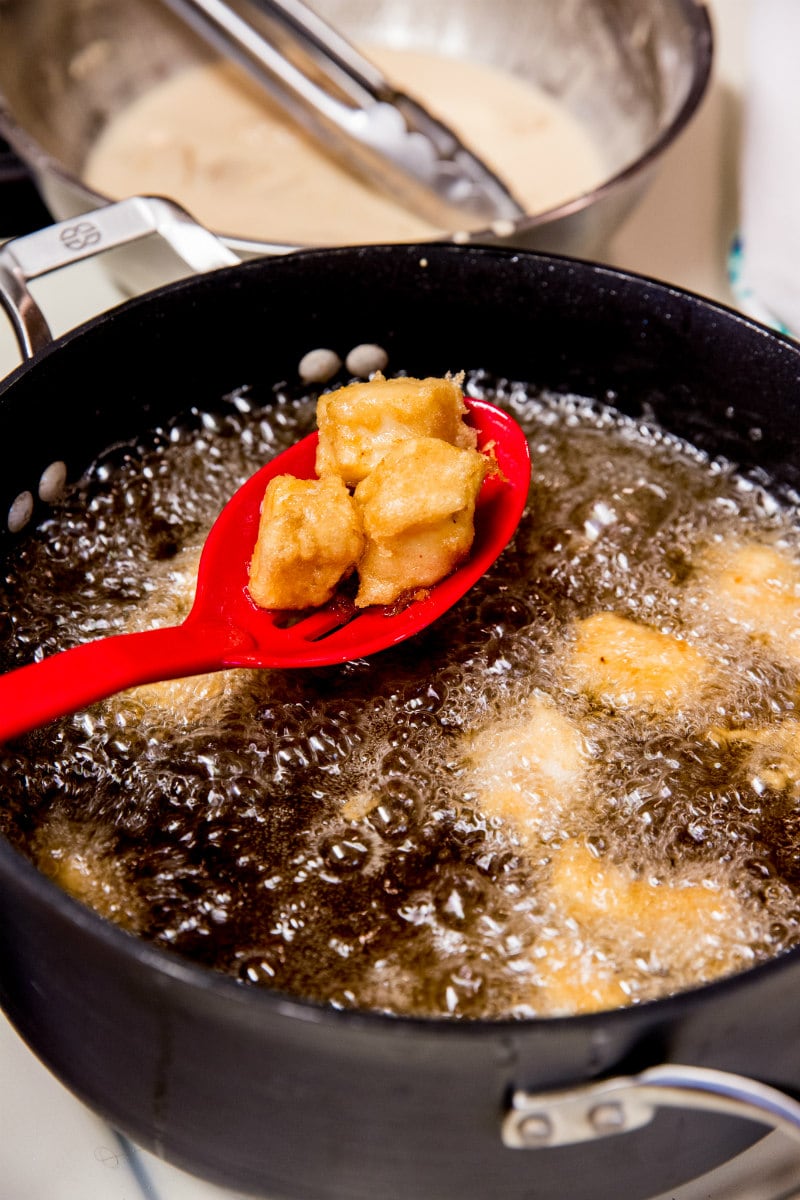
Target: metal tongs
[343, 101]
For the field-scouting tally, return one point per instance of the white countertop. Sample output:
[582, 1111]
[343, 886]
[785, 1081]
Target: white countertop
[52, 1147]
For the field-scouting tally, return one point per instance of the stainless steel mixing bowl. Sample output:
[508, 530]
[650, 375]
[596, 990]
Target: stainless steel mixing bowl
[632, 71]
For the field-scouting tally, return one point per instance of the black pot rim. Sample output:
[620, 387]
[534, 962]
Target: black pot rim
[200, 979]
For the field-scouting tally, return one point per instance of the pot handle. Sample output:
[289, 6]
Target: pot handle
[35, 254]
[619, 1105]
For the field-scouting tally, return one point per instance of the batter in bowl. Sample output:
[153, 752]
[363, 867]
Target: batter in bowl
[210, 139]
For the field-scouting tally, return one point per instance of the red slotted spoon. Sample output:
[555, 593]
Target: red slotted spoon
[226, 629]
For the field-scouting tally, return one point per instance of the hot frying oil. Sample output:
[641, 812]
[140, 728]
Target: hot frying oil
[462, 826]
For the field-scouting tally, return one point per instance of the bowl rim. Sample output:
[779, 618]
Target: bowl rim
[698, 21]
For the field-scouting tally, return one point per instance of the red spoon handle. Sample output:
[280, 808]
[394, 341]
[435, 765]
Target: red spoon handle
[73, 679]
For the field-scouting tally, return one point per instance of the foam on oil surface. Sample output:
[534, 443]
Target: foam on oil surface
[320, 832]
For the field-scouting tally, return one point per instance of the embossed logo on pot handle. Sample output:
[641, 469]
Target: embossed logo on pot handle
[36, 254]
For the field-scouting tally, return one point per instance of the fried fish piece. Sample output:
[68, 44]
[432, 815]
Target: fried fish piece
[683, 924]
[417, 509]
[360, 423]
[628, 665]
[612, 933]
[572, 977]
[758, 588]
[85, 862]
[529, 769]
[309, 539]
[772, 753]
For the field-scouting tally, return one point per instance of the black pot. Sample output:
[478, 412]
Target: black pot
[288, 1099]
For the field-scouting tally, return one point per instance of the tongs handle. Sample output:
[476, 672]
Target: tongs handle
[330, 52]
[346, 104]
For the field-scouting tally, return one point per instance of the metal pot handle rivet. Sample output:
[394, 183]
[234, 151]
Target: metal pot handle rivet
[619, 1105]
[36, 254]
[536, 1129]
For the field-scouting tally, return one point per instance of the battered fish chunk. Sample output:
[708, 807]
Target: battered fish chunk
[615, 933]
[575, 978]
[360, 423]
[309, 539]
[757, 587]
[529, 771]
[87, 865]
[628, 665]
[697, 929]
[772, 754]
[417, 508]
